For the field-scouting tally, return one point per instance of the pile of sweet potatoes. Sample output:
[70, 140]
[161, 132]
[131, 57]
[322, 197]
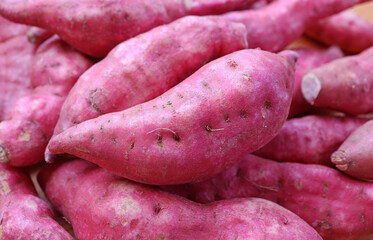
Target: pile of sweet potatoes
[149, 120]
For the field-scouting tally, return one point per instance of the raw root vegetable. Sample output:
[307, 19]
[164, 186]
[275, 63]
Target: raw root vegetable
[121, 209]
[9, 29]
[310, 139]
[205, 124]
[24, 137]
[347, 30]
[95, 27]
[333, 203]
[37, 35]
[274, 27]
[23, 214]
[16, 56]
[355, 155]
[58, 64]
[146, 66]
[309, 58]
[344, 84]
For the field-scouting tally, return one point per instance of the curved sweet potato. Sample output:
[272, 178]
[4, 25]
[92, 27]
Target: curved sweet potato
[333, 203]
[344, 84]
[146, 66]
[285, 20]
[24, 215]
[310, 139]
[355, 155]
[347, 30]
[95, 27]
[121, 209]
[229, 107]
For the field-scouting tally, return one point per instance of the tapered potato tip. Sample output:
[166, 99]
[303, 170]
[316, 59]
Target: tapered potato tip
[290, 56]
[339, 158]
[311, 87]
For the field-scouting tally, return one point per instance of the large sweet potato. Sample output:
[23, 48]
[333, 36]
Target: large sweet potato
[344, 84]
[347, 30]
[24, 216]
[336, 205]
[100, 205]
[310, 139]
[16, 56]
[24, 136]
[355, 155]
[146, 66]
[275, 26]
[229, 107]
[9, 29]
[95, 27]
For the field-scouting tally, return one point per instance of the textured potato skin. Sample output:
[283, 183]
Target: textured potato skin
[309, 58]
[347, 30]
[16, 56]
[310, 139]
[146, 66]
[23, 215]
[25, 135]
[344, 84]
[229, 107]
[95, 27]
[38, 35]
[355, 155]
[121, 209]
[330, 201]
[288, 20]
[9, 29]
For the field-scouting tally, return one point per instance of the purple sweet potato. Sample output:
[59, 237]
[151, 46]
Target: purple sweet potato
[348, 30]
[355, 155]
[16, 56]
[310, 139]
[344, 84]
[95, 27]
[24, 136]
[121, 209]
[205, 124]
[274, 27]
[336, 205]
[23, 215]
[309, 58]
[146, 66]
[38, 35]
[9, 29]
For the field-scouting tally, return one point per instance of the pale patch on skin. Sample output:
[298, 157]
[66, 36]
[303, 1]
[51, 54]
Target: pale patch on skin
[32, 205]
[5, 189]
[188, 4]
[127, 205]
[24, 136]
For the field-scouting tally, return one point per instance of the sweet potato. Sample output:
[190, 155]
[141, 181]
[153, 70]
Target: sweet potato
[355, 155]
[58, 64]
[37, 35]
[16, 56]
[344, 84]
[23, 215]
[333, 203]
[121, 209]
[146, 66]
[347, 30]
[309, 58]
[285, 20]
[9, 29]
[24, 136]
[95, 27]
[229, 107]
[310, 139]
